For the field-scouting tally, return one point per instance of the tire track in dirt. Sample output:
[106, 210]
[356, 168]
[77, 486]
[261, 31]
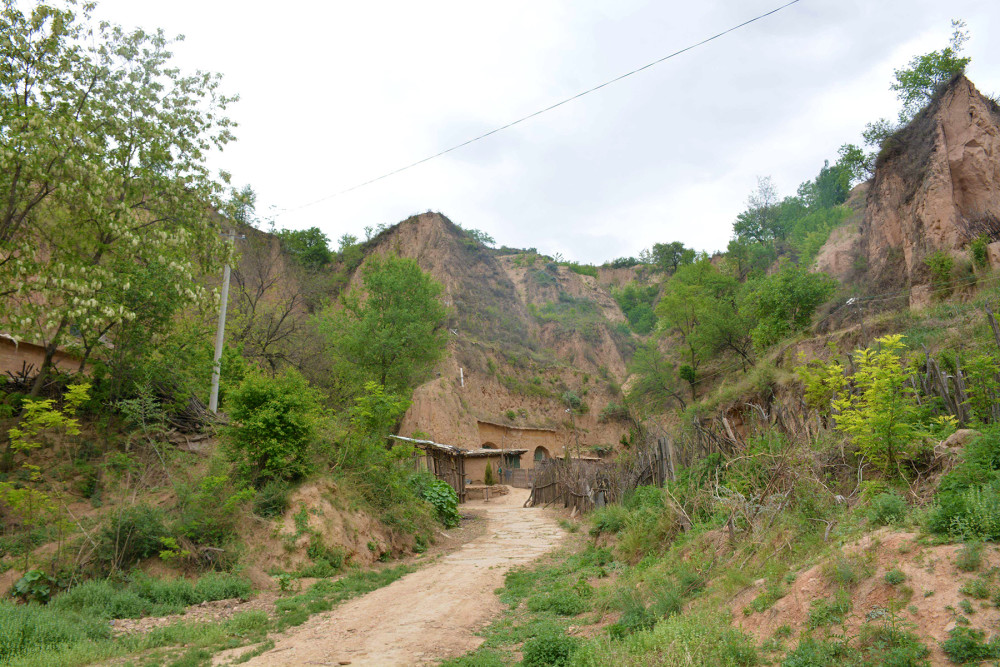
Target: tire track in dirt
[430, 614]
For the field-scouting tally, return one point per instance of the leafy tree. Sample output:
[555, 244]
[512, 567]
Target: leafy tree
[275, 423]
[394, 333]
[759, 222]
[698, 294]
[310, 247]
[375, 412]
[655, 382]
[636, 302]
[915, 85]
[882, 415]
[103, 174]
[830, 188]
[668, 257]
[784, 302]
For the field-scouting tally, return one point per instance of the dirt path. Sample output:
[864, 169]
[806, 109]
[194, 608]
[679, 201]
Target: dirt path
[432, 613]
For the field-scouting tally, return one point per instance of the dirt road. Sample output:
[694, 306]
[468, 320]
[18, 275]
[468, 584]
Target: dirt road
[432, 613]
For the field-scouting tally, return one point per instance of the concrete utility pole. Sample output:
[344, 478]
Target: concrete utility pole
[213, 400]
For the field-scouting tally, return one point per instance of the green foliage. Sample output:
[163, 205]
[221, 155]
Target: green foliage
[969, 494]
[573, 401]
[394, 334]
[31, 629]
[272, 499]
[85, 181]
[882, 417]
[33, 586]
[439, 494]
[966, 645]
[916, 84]
[637, 303]
[488, 477]
[886, 509]
[970, 557]
[275, 423]
[572, 316]
[894, 577]
[582, 269]
[980, 251]
[325, 594]
[209, 510]
[941, 265]
[978, 588]
[983, 387]
[550, 650]
[830, 611]
[561, 603]
[609, 520]
[655, 382]
[613, 412]
[376, 412]
[784, 302]
[309, 247]
[131, 534]
[668, 257]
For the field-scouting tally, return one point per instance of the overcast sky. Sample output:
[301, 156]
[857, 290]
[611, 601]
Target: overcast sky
[336, 93]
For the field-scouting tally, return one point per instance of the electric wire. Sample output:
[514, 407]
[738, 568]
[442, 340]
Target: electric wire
[539, 112]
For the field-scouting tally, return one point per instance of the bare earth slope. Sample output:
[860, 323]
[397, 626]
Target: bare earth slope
[430, 614]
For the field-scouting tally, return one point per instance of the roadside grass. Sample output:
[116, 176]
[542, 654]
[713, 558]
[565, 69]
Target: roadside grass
[75, 628]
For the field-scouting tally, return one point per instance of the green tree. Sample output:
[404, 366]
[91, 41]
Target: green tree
[916, 84]
[882, 415]
[784, 302]
[103, 173]
[393, 333]
[275, 423]
[668, 257]
[310, 247]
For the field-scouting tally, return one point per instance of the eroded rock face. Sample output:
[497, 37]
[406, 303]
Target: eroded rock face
[935, 181]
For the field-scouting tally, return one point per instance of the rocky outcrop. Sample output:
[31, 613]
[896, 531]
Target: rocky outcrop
[936, 186]
[503, 364]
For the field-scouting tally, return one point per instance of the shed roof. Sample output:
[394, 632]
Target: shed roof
[458, 451]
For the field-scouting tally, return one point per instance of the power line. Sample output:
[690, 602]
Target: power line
[540, 111]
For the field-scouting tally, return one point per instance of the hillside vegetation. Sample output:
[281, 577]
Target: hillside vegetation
[835, 495]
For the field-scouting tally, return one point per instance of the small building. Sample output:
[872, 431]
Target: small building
[458, 466]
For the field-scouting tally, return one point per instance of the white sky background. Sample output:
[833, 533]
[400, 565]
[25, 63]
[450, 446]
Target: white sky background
[335, 93]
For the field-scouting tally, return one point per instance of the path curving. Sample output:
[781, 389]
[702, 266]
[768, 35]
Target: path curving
[430, 614]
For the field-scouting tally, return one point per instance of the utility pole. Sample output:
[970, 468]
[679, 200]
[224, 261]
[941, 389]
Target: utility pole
[213, 400]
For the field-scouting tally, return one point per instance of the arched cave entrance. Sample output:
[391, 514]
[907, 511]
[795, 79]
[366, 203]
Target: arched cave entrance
[489, 445]
[541, 454]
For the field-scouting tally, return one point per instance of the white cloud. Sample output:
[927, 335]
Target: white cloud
[336, 93]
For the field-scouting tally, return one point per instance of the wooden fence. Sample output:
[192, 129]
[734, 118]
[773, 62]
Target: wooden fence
[586, 484]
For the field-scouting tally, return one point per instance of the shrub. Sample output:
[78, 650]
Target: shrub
[894, 577]
[978, 588]
[210, 509]
[970, 557]
[609, 519]
[940, 264]
[613, 412]
[561, 603]
[272, 499]
[980, 251]
[887, 508]
[549, 650]
[966, 645]
[440, 495]
[829, 611]
[488, 475]
[131, 534]
[275, 421]
[29, 629]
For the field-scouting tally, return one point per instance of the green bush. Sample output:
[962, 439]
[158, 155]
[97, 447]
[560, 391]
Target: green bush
[980, 251]
[210, 509]
[894, 577]
[609, 519]
[30, 629]
[131, 534]
[887, 508]
[549, 650]
[272, 499]
[941, 265]
[966, 645]
[440, 495]
[829, 611]
[978, 588]
[275, 424]
[970, 557]
[561, 603]
[813, 652]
